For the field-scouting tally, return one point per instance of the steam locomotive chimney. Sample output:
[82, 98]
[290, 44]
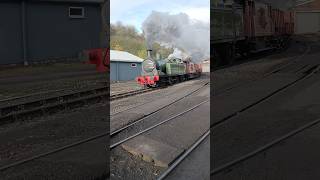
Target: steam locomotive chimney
[149, 53]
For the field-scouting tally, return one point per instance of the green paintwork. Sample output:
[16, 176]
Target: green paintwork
[175, 69]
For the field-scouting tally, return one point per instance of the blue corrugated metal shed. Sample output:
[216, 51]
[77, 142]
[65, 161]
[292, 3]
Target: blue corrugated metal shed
[124, 66]
[41, 30]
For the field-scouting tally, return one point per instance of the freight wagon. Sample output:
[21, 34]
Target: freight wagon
[242, 27]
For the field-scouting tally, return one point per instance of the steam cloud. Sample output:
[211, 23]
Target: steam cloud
[179, 32]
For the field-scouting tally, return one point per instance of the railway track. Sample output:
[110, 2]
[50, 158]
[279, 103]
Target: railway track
[174, 165]
[81, 142]
[313, 70]
[309, 73]
[126, 109]
[264, 148]
[181, 158]
[130, 93]
[9, 100]
[50, 104]
[114, 145]
[40, 104]
[140, 121]
[54, 151]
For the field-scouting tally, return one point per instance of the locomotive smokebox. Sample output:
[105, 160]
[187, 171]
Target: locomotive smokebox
[149, 53]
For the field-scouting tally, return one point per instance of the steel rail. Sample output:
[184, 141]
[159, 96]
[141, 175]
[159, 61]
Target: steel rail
[46, 105]
[264, 148]
[148, 115]
[156, 125]
[221, 168]
[201, 139]
[184, 156]
[225, 166]
[130, 93]
[53, 151]
[261, 100]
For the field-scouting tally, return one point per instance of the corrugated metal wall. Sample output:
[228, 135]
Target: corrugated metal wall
[10, 33]
[49, 30]
[122, 71]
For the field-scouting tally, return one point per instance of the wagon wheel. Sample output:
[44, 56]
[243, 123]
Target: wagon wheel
[231, 54]
[179, 79]
[183, 78]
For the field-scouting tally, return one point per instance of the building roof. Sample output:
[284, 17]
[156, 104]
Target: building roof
[303, 2]
[122, 56]
[308, 6]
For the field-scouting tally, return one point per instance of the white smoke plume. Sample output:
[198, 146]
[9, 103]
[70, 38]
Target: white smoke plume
[180, 32]
[179, 54]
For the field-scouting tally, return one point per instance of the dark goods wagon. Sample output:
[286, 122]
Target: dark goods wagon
[243, 27]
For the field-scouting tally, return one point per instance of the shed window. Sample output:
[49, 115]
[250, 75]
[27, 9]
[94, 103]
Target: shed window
[76, 12]
[133, 65]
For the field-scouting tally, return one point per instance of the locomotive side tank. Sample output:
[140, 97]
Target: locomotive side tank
[175, 66]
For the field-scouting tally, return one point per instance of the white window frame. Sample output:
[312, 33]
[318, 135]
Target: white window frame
[134, 65]
[76, 16]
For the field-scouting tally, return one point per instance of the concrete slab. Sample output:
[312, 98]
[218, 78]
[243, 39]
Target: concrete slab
[195, 166]
[152, 151]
